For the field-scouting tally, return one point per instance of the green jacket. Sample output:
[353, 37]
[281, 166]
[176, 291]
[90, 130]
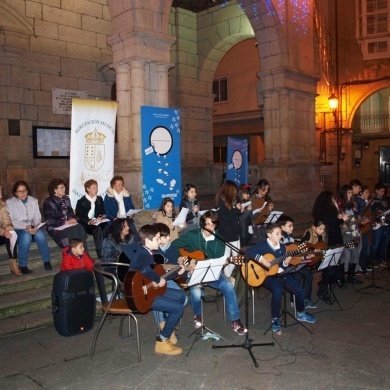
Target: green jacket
[193, 240]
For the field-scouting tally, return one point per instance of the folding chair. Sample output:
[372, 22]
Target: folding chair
[115, 306]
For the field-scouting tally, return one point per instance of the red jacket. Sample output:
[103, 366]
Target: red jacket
[71, 261]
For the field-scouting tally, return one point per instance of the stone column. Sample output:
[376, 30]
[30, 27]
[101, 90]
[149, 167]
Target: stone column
[123, 116]
[162, 84]
[137, 93]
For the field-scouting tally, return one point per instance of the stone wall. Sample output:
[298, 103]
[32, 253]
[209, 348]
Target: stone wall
[46, 45]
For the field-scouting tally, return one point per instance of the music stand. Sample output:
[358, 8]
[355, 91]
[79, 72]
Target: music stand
[283, 316]
[205, 271]
[331, 258]
[247, 344]
[273, 217]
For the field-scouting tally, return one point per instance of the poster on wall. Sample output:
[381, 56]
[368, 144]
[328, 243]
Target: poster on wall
[161, 164]
[91, 145]
[237, 160]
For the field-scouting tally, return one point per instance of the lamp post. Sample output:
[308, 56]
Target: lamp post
[333, 104]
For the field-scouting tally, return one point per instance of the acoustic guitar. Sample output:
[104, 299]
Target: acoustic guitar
[140, 292]
[199, 255]
[320, 248]
[257, 272]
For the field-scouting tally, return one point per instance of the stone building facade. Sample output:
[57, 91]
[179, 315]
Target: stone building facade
[154, 54]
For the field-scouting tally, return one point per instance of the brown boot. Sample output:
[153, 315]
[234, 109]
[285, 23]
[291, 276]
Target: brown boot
[173, 338]
[164, 347]
[14, 267]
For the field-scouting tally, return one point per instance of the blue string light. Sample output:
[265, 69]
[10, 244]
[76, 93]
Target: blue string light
[300, 10]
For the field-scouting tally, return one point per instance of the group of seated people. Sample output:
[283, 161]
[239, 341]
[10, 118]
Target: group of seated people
[21, 219]
[237, 221]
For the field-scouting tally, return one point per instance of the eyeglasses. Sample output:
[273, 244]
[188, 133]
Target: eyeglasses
[21, 191]
[60, 187]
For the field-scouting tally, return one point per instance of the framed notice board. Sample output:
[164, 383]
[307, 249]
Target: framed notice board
[51, 142]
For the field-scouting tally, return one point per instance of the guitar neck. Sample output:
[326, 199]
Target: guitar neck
[278, 260]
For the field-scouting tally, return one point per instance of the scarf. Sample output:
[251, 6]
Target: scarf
[91, 213]
[121, 205]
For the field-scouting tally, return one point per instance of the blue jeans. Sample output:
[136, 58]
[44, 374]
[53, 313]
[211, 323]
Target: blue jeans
[223, 284]
[379, 243]
[276, 284]
[170, 303]
[365, 252]
[305, 278]
[159, 315]
[24, 242]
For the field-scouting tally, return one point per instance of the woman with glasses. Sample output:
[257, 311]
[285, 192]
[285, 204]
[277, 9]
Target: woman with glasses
[26, 217]
[58, 213]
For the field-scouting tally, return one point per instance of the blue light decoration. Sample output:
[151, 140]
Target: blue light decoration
[299, 9]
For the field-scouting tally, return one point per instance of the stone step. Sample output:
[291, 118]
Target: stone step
[25, 322]
[23, 302]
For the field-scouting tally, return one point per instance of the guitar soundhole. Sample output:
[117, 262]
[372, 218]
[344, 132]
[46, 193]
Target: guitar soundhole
[254, 271]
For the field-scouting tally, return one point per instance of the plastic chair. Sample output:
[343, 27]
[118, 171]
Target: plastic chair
[115, 306]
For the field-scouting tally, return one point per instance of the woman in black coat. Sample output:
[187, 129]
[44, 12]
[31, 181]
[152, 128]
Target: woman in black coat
[91, 215]
[58, 213]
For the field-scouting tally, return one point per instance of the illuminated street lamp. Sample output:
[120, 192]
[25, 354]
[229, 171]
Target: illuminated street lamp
[333, 104]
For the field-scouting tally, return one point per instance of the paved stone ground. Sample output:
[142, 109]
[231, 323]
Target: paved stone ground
[348, 349]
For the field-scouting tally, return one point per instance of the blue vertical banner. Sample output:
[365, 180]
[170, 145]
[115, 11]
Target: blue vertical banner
[161, 162]
[237, 160]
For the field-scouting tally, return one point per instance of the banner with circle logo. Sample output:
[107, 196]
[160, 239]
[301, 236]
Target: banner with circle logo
[237, 160]
[161, 163]
[91, 145]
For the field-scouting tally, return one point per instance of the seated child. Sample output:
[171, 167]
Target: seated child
[305, 275]
[277, 283]
[74, 256]
[171, 302]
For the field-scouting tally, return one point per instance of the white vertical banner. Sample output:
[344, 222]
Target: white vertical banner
[91, 145]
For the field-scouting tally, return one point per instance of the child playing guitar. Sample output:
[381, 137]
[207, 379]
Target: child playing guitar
[277, 283]
[171, 301]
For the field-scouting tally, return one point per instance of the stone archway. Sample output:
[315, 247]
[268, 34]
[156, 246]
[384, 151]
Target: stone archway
[289, 77]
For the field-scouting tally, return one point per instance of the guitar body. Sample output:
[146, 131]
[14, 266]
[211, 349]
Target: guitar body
[194, 255]
[296, 259]
[256, 273]
[139, 291]
[319, 247]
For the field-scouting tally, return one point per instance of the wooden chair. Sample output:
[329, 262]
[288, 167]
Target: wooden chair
[115, 306]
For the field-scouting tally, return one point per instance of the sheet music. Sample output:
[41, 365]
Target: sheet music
[273, 217]
[63, 227]
[41, 224]
[332, 257]
[101, 221]
[201, 212]
[207, 271]
[260, 209]
[181, 218]
[13, 240]
[133, 212]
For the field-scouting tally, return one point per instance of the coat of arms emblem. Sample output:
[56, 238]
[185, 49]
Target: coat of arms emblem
[94, 150]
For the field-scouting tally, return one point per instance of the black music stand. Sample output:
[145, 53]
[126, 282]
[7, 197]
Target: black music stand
[205, 271]
[272, 218]
[331, 258]
[283, 316]
[247, 344]
[373, 285]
